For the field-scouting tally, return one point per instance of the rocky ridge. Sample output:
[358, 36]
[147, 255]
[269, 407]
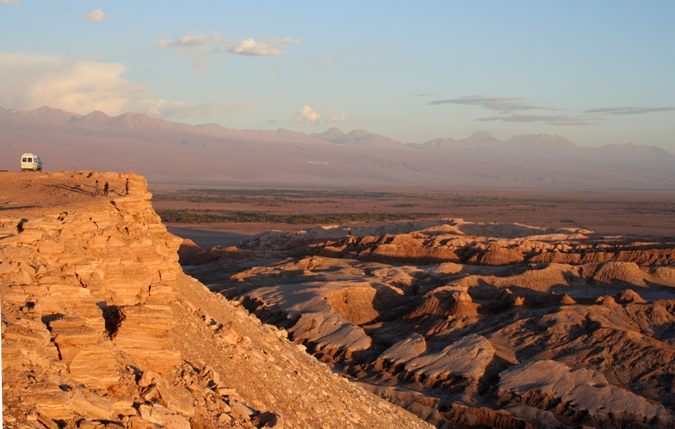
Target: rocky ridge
[102, 329]
[471, 324]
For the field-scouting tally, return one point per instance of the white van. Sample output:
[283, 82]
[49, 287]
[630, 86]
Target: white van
[30, 162]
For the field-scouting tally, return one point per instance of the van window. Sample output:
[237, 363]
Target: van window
[24, 159]
[30, 159]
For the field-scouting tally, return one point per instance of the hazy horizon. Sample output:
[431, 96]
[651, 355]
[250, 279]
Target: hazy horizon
[326, 129]
[597, 73]
[172, 151]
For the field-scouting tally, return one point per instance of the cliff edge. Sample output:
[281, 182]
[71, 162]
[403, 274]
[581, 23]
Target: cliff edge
[101, 328]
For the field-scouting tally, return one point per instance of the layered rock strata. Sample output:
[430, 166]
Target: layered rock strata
[101, 328]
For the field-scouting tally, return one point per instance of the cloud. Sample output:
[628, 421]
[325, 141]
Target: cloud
[9, 2]
[249, 47]
[510, 108]
[500, 104]
[338, 118]
[629, 110]
[270, 48]
[32, 81]
[77, 86]
[547, 119]
[191, 41]
[307, 115]
[197, 48]
[200, 49]
[96, 15]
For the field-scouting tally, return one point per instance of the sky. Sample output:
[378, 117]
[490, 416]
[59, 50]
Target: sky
[597, 72]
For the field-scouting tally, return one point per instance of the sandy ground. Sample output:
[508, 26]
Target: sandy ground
[30, 194]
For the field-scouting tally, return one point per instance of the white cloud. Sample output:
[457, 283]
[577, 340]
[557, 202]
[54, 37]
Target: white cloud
[268, 48]
[77, 86]
[96, 15]
[254, 48]
[9, 2]
[250, 47]
[199, 49]
[307, 115]
[31, 81]
[338, 118]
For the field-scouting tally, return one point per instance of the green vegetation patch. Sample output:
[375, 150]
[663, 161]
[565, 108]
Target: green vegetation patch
[217, 216]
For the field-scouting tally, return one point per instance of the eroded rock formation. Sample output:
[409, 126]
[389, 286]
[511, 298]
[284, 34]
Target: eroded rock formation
[101, 328]
[475, 325]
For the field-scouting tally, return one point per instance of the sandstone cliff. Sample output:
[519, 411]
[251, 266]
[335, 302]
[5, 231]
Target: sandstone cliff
[101, 328]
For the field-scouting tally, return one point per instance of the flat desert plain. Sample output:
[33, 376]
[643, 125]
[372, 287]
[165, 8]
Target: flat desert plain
[226, 216]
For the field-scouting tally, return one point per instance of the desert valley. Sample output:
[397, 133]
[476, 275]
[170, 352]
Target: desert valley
[461, 323]
[337, 215]
[446, 298]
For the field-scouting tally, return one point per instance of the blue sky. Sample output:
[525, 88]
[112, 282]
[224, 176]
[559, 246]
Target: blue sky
[597, 72]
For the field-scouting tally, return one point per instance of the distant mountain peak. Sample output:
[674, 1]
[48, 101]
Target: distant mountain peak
[47, 109]
[287, 132]
[333, 131]
[210, 126]
[95, 119]
[140, 120]
[542, 140]
[333, 135]
[131, 115]
[46, 115]
[207, 125]
[96, 114]
[358, 133]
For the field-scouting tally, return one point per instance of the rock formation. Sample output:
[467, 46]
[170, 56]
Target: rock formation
[475, 325]
[101, 328]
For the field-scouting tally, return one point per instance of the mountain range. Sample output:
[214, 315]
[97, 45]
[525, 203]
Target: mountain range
[210, 153]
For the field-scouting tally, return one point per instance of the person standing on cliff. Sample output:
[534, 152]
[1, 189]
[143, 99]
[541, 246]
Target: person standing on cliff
[96, 191]
[126, 186]
[106, 187]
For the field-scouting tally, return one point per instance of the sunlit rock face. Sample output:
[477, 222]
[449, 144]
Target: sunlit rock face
[101, 328]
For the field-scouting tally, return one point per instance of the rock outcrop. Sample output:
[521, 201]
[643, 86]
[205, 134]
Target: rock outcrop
[578, 394]
[475, 325]
[101, 328]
